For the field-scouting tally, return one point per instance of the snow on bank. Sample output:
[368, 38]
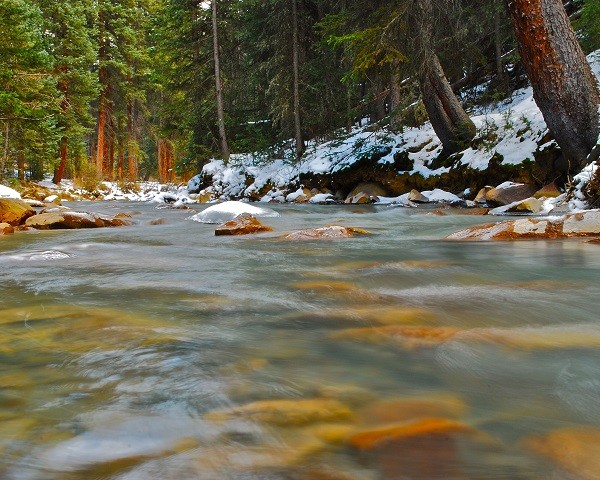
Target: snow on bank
[7, 192]
[510, 131]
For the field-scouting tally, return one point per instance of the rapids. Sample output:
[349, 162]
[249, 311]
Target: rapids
[159, 351]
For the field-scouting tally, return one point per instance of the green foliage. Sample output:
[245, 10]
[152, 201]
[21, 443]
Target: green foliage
[589, 25]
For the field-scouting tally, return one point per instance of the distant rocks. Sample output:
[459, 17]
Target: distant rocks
[582, 224]
[14, 211]
[243, 224]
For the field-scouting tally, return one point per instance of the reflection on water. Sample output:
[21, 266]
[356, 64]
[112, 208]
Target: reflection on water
[159, 351]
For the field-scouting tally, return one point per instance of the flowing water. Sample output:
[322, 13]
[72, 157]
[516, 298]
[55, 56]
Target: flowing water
[164, 352]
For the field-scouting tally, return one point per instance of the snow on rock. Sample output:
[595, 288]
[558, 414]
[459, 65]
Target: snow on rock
[441, 196]
[7, 192]
[578, 199]
[322, 198]
[223, 212]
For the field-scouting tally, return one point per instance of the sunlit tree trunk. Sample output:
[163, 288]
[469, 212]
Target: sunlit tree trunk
[5, 153]
[219, 86]
[60, 169]
[132, 144]
[564, 86]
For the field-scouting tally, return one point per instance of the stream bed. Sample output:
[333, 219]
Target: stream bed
[159, 351]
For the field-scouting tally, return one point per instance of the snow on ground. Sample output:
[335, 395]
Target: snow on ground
[223, 212]
[7, 192]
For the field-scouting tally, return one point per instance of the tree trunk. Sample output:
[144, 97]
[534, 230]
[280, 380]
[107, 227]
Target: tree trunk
[296, 82]
[449, 120]
[564, 86]
[166, 161]
[132, 144]
[5, 153]
[101, 141]
[21, 165]
[219, 86]
[395, 100]
[59, 173]
[377, 106]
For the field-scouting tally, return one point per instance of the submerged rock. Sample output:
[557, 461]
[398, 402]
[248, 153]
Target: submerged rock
[406, 336]
[573, 449]
[243, 224]
[371, 438]
[14, 211]
[326, 233]
[287, 412]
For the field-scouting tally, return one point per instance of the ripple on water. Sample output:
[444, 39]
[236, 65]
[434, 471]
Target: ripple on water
[37, 256]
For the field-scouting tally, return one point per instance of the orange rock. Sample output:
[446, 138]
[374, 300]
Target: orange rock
[511, 230]
[574, 449]
[14, 211]
[243, 224]
[287, 412]
[6, 229]
[368, 439]
[326, 233]
[403, 409]
[406, 336]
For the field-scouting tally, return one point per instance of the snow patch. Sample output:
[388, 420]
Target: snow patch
[223, 212]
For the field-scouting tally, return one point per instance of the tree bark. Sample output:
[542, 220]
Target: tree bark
[132, 143]
[5, 153]
[448, 118]
[564, 86]
[59, 173]
[296, 82]
[219, 86]
[395, 100]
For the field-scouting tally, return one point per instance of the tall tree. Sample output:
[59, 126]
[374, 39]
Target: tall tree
[564, 86]
[219, 84]
[296, 81]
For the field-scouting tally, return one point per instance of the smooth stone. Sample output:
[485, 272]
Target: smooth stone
[417, 197]
[14, 211]
[529, 205]
[550, 190]
[72, 220]
[481, 195]
[582, 223]
[6, 229]
[243, 224]
[511, 193]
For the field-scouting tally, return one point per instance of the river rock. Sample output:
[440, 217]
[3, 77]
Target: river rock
[360, 199]
[408, 337]
[417, 197]
[222, 212]
[325, 233]
[72, 220]
[372, 189]
[243, 224]
[34, 203]
[52, 199]
[582, 223]
[6, 229]
[371, 438]
[14, 211]
[548, 191]
[574, 449]
[481, 196]
[529, 205]
[509, 192]
[287, 412]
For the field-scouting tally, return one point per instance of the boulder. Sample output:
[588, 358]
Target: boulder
[481, 196]
[529, 205]
[36, 192]
[243, 224]
[548, 191]
[509, 192]
[6, 229]
[417, 197]
[225, 211]
[72, 220]
[52, 199]
[325, 233]
[582, 223]
[371, 189]
[360, 199]
[34, 203]
[14, 211]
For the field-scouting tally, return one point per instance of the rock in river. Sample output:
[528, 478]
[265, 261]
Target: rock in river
[225, 211]
[71, 220]
[325, 233]
[14, 211]
[243, 224]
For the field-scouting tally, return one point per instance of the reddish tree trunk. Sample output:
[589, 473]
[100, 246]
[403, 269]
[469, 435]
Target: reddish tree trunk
[59, 173]
[219, 86]
[564, 86]
[296, 81]
[101, 141]
[132, 161]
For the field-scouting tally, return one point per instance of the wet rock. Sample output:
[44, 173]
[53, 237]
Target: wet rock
[573, 449]
[6, 229]
[287, 412]
[371, 438]
[360, 199]
[582, 223]
[34, 203]
[550, 190]
[326, 233]
[52, 199]
[407, 408]
[158, 221]
[371, 189]
[244, 224]
[529, 205]
[72, 220]
[509, 192]
[406, 336]
[14, 211]
[417, 197]
[482, 194]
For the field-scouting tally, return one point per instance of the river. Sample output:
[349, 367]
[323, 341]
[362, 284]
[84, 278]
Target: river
[159, 351]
